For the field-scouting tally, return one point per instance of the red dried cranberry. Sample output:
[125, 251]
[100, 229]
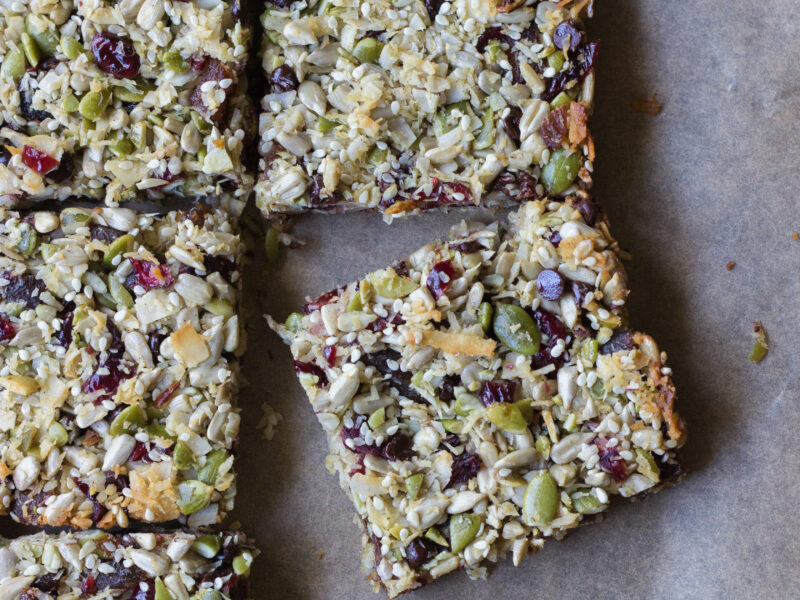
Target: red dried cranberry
[320, 301]
[433, 6]
[6, 329]
[280, 3]
[26, 109]
[382, 323]
[567, 30]
[115, 55]
[511, 123]
[587, 207]
[210, 69]
[283, 79]
[580, 291]
[98, 510]
[64, 170]
[329, 352]
[621, 340]
[554, 329]
[449, 381]
[450, 192]
[88, 585]
[5, 155]
[610, 460]
[104, 233]
[550, 284]
[312, 369]
[150, 275]
[555, 126]
[465, 467]
[491, 33]
[146, 594]
[397, 447]
[440, 278]
[468, 247]
[399, 380]
[139, 452]
[581, 66]
[38, 161]
[554, 238]
[497, 391]
[164, 397]
[319, 196]
[22, 288]
[107, 382]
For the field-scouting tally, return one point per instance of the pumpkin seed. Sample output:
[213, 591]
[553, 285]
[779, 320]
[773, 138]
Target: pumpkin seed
[29, 241]
[325, 125]
[194, 495]
[13, 65]
[293, 322]
[485, 314]
[561, 171]
[368, 50]
[118, 292]
[214, 460]
[162, 593]
[119, 246]
[30, 49]
[562, 98]
[219, 307]
[463, 529]
[70, 104]
[207, 546]
[127, 95]
[94, 104]
[58, 434]
[540, 502]
[241, 564]
[46, 39]
[128, 421]
[389, 284]
[506, 416]
[414, 484]
[182, 456]
[485, 137]
[586, 503]
[515, 328]
[71, 47]
[202, 125]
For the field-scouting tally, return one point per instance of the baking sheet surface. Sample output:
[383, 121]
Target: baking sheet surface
[710, 180]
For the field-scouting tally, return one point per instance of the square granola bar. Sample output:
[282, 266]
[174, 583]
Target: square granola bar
[99, 565]
[119, 334]
[486, 394]
[405, 105]
[108, 99]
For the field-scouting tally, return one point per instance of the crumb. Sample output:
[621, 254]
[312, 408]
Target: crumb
[730, 265]
[269, 421]
[235, 526]
[652, 106]
[795, 236]
[320, 555]
[760, 346]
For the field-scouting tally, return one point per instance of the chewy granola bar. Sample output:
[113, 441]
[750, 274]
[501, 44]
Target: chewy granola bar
[405, 105]
[486, 394]
[119, 333]
[137, 566]
[108, 99]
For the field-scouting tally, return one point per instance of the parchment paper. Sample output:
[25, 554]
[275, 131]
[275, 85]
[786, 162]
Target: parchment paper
[712, 179]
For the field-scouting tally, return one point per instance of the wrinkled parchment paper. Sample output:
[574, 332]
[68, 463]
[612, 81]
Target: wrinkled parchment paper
[710, 180]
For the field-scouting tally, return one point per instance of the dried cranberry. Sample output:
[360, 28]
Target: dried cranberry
[401, 268]
[555, 126]
[88, 585]
[106, 378]
[283, 79]
[154, 343]
[491, 33]
[104, 233]
[550, 284]
[320, 301]
[165, 396]
[554, 329]
[621, 340]
[98, 510]
[580, 290]
[433, 7]
[281, 3]
[511, 123]
[64, 335]
[24, 288]
[554, 238]
[115, 55]
[581, 66]
[26, 109]
[610, 460]
[329, 352]
[397, 447]
[450, 192]
[382, 323]
[497, 391]
[146, 594]
[6, 328]
[64, 170]
[209, 69]
[449, 381]
[419, 551]
[151, 275]
[312, 369]
[48, 583]
[319, 196]
[5, 155]
[467, 247]
[197, 214]
[139, 451]
[219, 264]
[567, 30]
[122, 578]
[465, 467]
[38, 161]
[440, 277]
[587, 207]
[399, 380]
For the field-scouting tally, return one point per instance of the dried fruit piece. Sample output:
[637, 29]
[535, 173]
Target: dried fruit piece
[115, 55]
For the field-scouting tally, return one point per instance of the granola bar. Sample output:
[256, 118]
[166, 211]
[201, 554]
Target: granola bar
[99, 565]
[108, 99]
[486, 393]
[119, 333]
[410, 105]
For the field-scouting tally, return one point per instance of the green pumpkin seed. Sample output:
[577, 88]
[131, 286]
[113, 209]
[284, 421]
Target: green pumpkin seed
[436, 537]
[58, 434]
[325, 125]
[525, 409]
[214, 460]
[414, 484]
[182, 456]
[515, 328]
[194, 495]
[29, 241]
[162, 593]
[540, 502]
[377, 418]
[154, 430]
[272, 245]
[506, 416]
[463, 529]
[202, 125]
[465, 404]
[376, 155]
[241, 564]
[589, 351]
[543, 446]
[70, 104]
[174, 61]
[486, 136]
[452, 425]
[46, 38]
[562, 98]
[485, 314]
[122, 147]
[207, 546]
[118, 292]
[647, 465]
[93, 104]
[128, 421]
[368, 50]
[71, 47]
[586, 503]
[119, 246]
[355, 303]
[219, 307]
[13, 65]
[556, 61]
[293, 322]
[138, 134]
[561, 171]
[30, 49]
[389, 284]
[127, 95]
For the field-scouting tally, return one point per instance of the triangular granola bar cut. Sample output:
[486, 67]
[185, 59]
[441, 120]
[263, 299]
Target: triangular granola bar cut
[486, 393]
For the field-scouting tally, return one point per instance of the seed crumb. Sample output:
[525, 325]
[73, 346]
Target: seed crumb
[651, 106]
[269, 421]
[320, 555]
[760, 346]
[730, 265]
[795, 236]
